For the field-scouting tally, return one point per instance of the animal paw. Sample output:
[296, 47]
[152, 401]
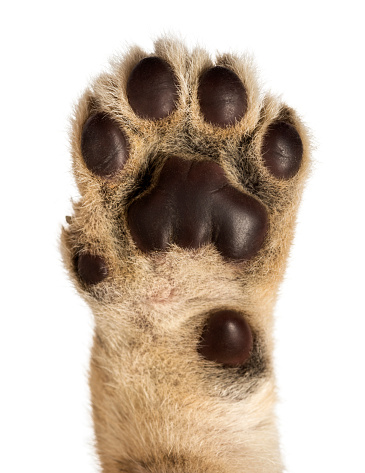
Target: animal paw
[190, 181]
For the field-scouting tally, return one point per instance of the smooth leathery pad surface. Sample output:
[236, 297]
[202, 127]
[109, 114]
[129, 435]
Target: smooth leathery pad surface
[226, 338]
[222, 96]
[104, 146]
[92, 269]
[193, 204]
[282, 150]
[152, 89]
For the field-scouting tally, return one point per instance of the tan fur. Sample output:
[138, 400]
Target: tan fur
[158, 406]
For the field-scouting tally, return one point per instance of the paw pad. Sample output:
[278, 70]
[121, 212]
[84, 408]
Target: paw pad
[92, 269]
[193, 204]
[282, 150]
[226, 338]
[222, 96]
[152, 89]
[104, 146]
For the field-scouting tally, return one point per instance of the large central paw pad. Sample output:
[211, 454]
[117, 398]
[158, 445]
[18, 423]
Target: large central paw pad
[193, 204]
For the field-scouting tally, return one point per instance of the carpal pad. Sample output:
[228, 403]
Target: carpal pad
[190, 180]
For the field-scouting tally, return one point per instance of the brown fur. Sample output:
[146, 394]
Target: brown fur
[158, 406]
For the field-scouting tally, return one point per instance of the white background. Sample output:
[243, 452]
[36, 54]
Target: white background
[312, 53]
